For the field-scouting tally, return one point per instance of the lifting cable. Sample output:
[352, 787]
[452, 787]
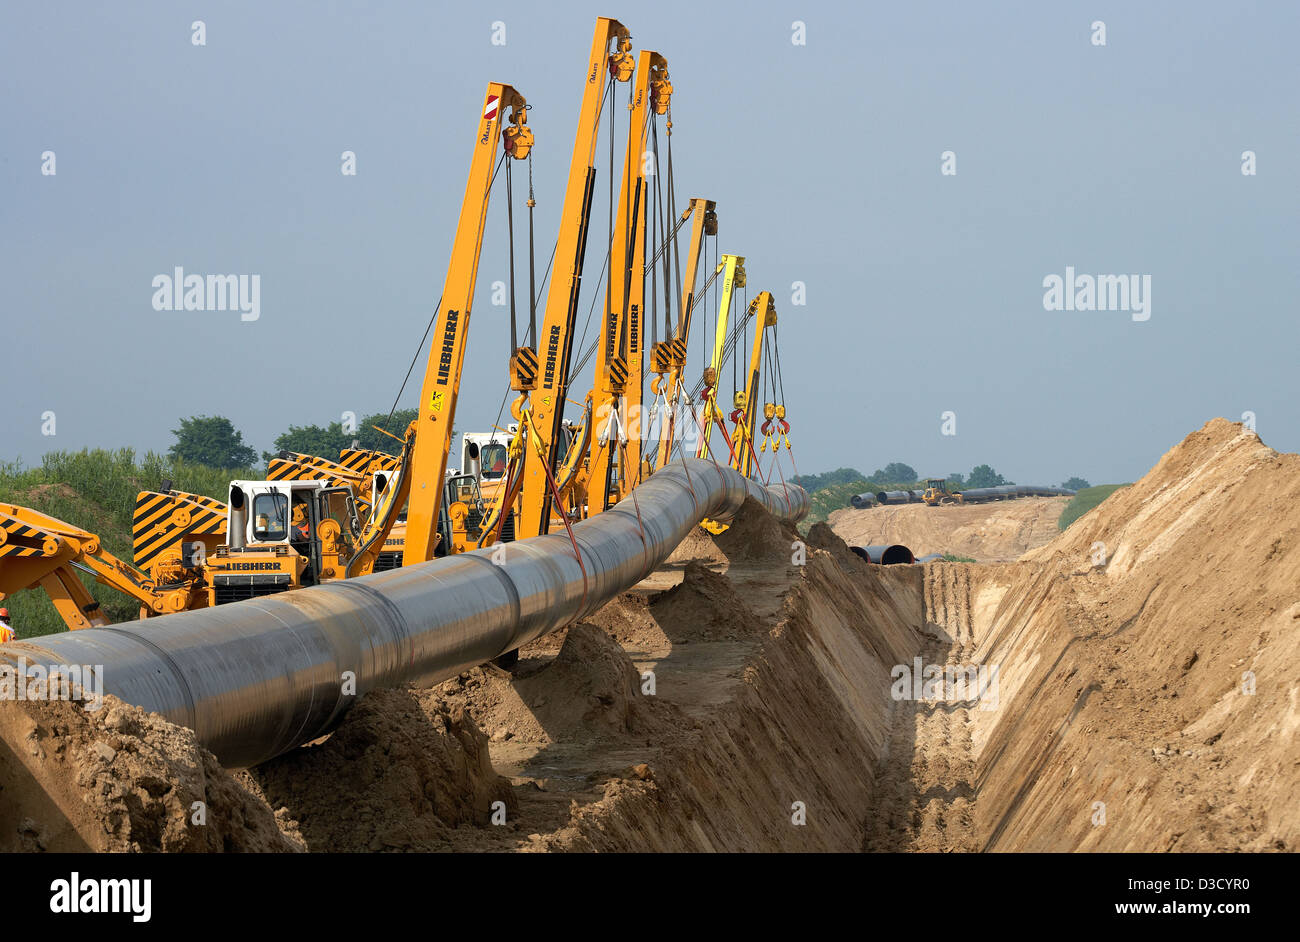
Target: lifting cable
[672, 208]
[652, 225]
[532, 289]
[780, 381]
[589, 351]
[510, 228]
[630, 224]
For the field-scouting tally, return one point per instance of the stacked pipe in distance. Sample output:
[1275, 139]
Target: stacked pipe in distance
[257, 678]
[979, 495]
[898, 497]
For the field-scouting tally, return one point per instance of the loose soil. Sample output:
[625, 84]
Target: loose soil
[1144, 698]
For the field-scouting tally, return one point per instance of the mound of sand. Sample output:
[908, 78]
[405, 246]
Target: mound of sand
[755, 536]
[800, 733]
[703, 607]
[397, 774]
[628, 621]
[1148, 662]
[821, 536]
[119, 779]
[590, 688]
[697, 547]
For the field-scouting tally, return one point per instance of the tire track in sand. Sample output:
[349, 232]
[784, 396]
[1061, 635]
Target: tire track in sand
[927, 775]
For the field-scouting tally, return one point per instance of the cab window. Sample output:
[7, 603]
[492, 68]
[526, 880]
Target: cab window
[270, 518]
[494, 460]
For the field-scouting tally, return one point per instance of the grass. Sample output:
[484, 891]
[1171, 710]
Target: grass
[954, 558]
[1084, 501]
[835, 497]
[96, 490]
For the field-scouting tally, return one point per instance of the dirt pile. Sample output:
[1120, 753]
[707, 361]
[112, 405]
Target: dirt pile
[1148, 696]
[591, 688]
[704, 607]
[628, 621]
[755, 535]
[823, 537]
[1143, 697]
[699, 547]
[119, 779]
[400, 773]
[996, 532]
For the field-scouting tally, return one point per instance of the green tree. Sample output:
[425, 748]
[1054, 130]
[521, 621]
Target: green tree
[956, 478]
[368, 437]
[984, 476]
[1076, 484]
[211, 441]
[894, 473]
[815, 482]
[312, 440]
[326, 441]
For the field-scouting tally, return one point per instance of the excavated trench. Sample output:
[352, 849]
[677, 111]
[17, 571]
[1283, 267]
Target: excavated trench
[756, 695]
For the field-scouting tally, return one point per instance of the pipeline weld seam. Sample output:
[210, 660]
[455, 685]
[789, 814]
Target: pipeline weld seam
[398, 622]
[175, 668]
[515, 604]
[311, 703]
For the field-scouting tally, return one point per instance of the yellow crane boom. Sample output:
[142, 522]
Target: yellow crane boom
[423, 478]
[545, 389]
[745, 414]
[668, 358]
[733, 276]
[617, 396]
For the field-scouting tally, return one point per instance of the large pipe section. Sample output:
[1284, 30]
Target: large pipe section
[862, 501]
[898, 497]
[885, 554]
[254, 679]
[979, 495]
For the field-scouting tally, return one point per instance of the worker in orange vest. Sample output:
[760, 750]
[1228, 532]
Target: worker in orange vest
[6, 633]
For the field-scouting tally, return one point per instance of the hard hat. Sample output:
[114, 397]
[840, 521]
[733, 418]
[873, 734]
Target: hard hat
[4, 613]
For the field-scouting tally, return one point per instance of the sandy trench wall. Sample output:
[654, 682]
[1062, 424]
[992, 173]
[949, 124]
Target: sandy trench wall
[808, 724]
[1126, 718]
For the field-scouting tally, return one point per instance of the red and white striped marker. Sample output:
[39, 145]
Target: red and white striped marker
[490, 111]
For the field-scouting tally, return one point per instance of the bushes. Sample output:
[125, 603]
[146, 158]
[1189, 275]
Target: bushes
[1084, 501]
[835, 497]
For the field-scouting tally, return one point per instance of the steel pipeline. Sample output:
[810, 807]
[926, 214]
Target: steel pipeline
[254, 679]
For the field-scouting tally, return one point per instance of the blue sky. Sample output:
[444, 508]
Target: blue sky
[924, 291]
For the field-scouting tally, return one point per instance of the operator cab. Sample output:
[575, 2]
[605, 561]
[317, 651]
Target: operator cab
[484, 454]
[282, 535]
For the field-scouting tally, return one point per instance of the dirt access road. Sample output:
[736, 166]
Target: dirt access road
[988, 533]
